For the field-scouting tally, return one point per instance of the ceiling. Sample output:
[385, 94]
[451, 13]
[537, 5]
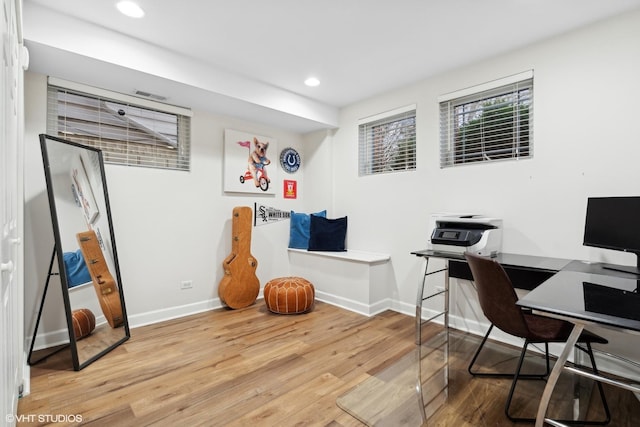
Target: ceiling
[249, 58]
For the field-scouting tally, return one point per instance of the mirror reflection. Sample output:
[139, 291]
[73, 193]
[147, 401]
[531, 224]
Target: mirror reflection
[85, 248]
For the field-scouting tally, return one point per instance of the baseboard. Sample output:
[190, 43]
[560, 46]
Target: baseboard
[355, 306]
[57, 337]
[26, 377]
[61, 336]
[605, 362]
[170, 313]
[614, 365]
[49, 339]
[403, 307]
[156, 316]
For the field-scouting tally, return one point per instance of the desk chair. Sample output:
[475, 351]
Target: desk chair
[498, 301]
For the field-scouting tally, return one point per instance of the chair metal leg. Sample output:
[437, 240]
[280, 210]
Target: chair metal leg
[503, 374]
[475, 356]
[546, 351]
[517, 376]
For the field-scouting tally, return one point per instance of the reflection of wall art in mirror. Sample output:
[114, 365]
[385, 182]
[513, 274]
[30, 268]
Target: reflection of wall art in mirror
[99, 237]
[83, 211]
[83, 190]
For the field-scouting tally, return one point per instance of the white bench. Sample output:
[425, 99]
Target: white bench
[353, 279]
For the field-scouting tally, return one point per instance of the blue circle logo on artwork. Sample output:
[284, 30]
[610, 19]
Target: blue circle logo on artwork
[290, 160]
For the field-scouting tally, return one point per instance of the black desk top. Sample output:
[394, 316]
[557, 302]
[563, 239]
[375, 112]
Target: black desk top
[506, 259]
[582, 292]
[576, 289]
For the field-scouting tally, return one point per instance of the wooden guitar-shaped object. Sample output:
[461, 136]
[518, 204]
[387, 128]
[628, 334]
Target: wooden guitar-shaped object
[103, 282]
[240, 286]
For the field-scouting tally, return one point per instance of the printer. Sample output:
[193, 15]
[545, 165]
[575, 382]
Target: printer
[459, 233]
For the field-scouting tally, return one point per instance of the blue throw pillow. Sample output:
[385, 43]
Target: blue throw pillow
[327, 234]
[299, 230]
[77, 272]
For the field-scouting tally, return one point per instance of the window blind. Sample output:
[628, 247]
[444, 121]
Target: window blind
[127, 133]
[493, 124]
[387, 142]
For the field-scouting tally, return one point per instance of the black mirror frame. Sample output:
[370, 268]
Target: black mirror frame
[59, 254]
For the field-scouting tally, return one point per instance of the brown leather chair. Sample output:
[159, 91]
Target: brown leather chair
[498, 301]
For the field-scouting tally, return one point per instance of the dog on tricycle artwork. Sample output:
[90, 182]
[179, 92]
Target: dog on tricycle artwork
[257, 161]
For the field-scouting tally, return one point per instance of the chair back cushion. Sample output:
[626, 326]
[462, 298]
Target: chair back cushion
[497, 296]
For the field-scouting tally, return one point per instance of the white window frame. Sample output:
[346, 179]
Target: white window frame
[474, 110]
[129, 130]
[387, 142]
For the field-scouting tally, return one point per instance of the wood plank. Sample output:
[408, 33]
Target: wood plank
[252, 367]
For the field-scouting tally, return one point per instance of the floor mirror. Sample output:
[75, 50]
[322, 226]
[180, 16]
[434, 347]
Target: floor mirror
[85, 250]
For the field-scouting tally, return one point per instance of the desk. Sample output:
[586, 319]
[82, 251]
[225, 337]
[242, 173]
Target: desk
[525, 271]
[585, 294]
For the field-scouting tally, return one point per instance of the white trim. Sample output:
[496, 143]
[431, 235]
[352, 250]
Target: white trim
[164, 314]
[386, 114]
[348, 255]
[605, 362]
[346, 303]
[104, 93]
[61, 336]
[486, 86]
[26, 376]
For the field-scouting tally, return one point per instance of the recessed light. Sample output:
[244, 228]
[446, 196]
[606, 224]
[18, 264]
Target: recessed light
[130, 9]
[312, 82]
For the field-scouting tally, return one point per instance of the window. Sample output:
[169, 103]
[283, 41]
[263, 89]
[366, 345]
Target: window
[129, 131]
[387, 142]
[488, 123]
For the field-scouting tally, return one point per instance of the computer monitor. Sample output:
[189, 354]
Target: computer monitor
[614, 223]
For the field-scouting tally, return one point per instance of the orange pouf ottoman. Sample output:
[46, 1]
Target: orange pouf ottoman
[84, 322]
[289, 295]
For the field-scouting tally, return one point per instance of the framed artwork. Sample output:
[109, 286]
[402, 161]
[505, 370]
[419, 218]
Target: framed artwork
[247, 163]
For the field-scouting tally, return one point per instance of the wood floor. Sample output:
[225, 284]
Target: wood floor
[249, 367]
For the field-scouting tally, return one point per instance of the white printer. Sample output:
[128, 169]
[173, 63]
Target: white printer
[461, 233]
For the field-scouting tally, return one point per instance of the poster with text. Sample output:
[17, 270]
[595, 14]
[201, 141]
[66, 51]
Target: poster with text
[290, 189]
[247, 162]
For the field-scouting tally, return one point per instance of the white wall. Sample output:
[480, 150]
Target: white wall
[586, 143]
[174, 226]
[169, 226]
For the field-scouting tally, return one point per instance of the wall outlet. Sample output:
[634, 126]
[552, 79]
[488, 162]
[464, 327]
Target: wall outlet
[186, 284]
